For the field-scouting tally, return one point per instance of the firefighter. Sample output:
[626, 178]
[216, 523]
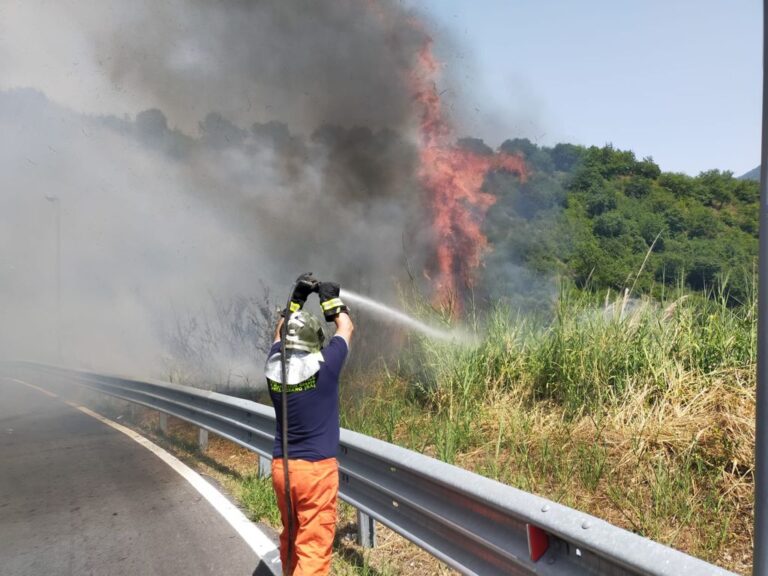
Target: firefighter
[312, 371]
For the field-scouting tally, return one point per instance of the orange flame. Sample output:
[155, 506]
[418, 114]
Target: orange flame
[454, 179]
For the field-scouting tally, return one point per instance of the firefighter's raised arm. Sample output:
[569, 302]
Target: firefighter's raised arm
[335, 310]
[344, 326]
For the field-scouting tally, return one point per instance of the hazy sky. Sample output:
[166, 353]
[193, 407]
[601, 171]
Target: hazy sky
[679, 80]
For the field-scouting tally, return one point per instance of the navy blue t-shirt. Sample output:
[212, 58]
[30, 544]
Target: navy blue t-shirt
[313, 408]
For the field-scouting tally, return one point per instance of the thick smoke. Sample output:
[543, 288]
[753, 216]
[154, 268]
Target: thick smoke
[270, 138]
[339, 196]
[339, 62]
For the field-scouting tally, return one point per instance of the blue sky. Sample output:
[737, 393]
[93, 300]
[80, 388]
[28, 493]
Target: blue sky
[679, 80]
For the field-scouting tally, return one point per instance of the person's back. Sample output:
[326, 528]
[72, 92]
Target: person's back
[313, 407]
[312, 390]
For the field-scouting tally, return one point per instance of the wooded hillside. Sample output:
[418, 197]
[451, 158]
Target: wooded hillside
[594, 214]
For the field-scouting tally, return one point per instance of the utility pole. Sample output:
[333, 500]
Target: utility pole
[760, 562]
[57, 206]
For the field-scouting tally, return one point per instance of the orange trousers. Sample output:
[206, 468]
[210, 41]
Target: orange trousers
[314, 486]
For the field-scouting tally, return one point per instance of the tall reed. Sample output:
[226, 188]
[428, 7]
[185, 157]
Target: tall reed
[637, 410]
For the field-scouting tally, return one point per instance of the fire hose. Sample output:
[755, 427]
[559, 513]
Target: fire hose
[284, 401]
[284, 412]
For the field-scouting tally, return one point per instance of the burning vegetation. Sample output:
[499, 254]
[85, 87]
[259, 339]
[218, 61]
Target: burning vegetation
[453, 179]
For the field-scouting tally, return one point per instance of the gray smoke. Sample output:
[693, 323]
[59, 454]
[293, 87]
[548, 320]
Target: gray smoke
[339, 62]
[338, 196]
[203, 152]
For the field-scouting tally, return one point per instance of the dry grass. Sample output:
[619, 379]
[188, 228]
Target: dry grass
[639, 413]
[678, 470]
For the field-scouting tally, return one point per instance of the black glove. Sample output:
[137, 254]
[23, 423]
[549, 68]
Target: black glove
[305, 285]
[329, 300]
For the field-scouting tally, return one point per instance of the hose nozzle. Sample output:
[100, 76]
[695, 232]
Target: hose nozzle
[312, 283]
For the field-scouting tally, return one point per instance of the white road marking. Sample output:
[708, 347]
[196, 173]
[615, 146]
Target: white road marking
[255, 538]
[43, 390]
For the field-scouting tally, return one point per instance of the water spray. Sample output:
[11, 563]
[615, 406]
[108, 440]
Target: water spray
[388, 313]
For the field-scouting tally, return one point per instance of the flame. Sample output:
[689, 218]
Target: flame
[453, 178]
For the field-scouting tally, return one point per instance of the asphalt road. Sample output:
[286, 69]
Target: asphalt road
[78, 497]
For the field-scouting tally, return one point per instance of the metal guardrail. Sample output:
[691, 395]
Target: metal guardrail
[473, 524]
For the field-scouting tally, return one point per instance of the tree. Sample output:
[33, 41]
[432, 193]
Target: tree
[706, 265]
[716, 188]
[539, 159]
[476, 145]
[681, 185]
[600, 201]
[610, 224]
[648, 169]
[652, 227]
[567, 156]
[600, 210]
[638, 187]
[701, 222]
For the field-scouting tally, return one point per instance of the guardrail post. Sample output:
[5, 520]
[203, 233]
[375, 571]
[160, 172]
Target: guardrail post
[265, 467]
[366, 530]
[164, 423]
[202, 440]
